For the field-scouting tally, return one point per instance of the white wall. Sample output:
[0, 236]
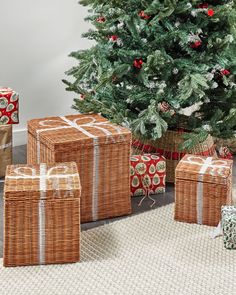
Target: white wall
[36, 38]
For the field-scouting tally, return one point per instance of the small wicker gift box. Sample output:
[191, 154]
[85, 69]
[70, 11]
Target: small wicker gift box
[228, 223]
[148, 173]
[203, 185]
[5, 148]
[101, 151]
[41, 214]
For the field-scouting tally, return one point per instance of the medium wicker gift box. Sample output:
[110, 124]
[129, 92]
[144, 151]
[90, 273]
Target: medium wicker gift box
[228, 223]
[102, 153]
[41, 214]
[203, 185]
[5, 148]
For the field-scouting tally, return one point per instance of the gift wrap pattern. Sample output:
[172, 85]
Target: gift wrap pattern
[5, 148]
[148, 173]
[229, 226]
[41, 214]
[203, 186]
[101, 151]
[9, 105]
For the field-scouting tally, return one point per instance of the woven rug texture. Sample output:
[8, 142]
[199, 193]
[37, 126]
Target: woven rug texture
[149, 253]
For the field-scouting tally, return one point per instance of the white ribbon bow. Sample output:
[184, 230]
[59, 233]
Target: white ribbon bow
[21, 173]
[217, 165]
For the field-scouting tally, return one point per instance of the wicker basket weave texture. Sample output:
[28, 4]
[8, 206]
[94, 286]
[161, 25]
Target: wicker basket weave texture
[41, 224]
[103, 165]
[169, 146]
[199, 194]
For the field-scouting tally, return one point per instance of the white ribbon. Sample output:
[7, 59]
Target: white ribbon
[81, 127]
[5, 146]
[21, 173]
[217, 165]
[216, 169]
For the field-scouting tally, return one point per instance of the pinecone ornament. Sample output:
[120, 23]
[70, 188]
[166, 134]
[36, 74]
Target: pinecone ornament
[165, 107]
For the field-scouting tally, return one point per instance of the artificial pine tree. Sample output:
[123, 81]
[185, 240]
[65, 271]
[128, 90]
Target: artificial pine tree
[153, 60]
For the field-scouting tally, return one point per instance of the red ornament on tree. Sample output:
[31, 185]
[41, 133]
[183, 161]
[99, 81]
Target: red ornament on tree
[225, 72]
[210, 12]
[196, 44]
[143, 15]
[138, 63]
[101, 19]
[114, 38]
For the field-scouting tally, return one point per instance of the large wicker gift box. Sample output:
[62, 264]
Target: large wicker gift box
[203, 185]
[5, 148]
[41, 214]
[228, 223]
[101, 151]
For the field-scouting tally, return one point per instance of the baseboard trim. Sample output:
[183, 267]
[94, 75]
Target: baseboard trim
[19, 137]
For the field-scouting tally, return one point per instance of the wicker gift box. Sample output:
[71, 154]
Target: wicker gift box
[203, 185]
[41, 214]
[102, 153]
[147, 173]
[228, 223]
[5, 148]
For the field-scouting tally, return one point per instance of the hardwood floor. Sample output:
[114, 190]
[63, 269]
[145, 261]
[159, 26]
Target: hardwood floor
[19, 157]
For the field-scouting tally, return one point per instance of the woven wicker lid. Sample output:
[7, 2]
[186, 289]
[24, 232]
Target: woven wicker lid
[205, 169]
[87, 129]
[44, 181]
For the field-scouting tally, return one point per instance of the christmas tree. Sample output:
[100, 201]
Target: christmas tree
[155, 60]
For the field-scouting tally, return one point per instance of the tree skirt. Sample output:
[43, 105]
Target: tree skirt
[149, 253]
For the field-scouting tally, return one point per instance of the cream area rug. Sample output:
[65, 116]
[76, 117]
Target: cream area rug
[149, 253]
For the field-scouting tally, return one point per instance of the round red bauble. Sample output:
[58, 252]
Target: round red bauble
[225, 72]
[101, 19]
[138, 63]
[210, 12]
[196, 44]
[143, 15]
[114, 38]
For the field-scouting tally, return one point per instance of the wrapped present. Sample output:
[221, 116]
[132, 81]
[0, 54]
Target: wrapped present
[203, 185]
[5, 148]
[41, 214]
[148, 174]
[9, 105]
[228, 224]
[101, 151]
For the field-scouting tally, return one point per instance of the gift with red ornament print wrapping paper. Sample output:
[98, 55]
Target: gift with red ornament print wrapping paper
[148, 173]
[9, 105]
